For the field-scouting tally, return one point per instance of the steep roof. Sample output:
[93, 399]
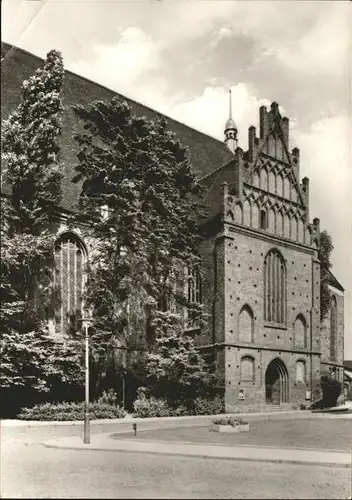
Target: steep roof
[333, 281]
[206, 153]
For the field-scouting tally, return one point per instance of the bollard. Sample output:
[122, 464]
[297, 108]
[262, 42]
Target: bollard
[135, 429]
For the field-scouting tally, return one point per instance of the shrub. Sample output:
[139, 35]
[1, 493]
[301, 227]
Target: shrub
[181, 411]
[151, 407]
[69, 411]
[108, 397]
[229, 421]
[203, 406]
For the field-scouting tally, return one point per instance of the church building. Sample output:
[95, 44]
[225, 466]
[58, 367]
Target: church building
[260, 276]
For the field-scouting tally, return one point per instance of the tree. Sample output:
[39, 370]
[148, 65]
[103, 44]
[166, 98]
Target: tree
[141, 204]
[175, 369]
[325, 249]
[30, 359]
[30, 149]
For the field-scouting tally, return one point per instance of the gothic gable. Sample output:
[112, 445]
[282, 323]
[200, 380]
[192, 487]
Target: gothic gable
[276, 178]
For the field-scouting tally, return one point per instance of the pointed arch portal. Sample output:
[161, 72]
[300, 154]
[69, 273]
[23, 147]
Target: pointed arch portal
[276, 382]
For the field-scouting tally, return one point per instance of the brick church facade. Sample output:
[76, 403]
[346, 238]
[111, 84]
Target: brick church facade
[260, 275]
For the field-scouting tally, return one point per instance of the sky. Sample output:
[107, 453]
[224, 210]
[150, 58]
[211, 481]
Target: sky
[180, 57]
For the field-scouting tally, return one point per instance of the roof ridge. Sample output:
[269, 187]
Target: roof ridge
[10, 46]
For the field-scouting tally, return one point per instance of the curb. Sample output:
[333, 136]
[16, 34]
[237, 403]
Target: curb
[213, 452]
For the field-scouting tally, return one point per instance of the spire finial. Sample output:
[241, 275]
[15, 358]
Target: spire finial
[231, 128]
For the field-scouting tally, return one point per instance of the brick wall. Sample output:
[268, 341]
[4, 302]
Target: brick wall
[233, 277]
[244, 284]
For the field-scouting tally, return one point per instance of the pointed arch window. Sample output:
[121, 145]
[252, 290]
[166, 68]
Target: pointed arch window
[287, 224]
[271, 220]
[274, 288]
[247, 369]
[279, 185]
[69, 279]
[287, 188]
[238, 213]
[255, 215]
[194, 293]
[301, 231]
[263, 219]
[300, 332]
[246, 325]
[264, 179]
[333, 328]
[294, 228]
[247, 213]
[279, 223]
[255, 179]
[272, 182]
[301, 371]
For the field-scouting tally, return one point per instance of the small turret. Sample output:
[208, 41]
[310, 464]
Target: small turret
[231, 130]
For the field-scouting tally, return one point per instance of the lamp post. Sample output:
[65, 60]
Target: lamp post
[86, 436]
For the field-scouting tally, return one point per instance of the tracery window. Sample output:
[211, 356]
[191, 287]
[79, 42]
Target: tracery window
[275, 288]
[69, 276]
[333, 327]
[194, 292]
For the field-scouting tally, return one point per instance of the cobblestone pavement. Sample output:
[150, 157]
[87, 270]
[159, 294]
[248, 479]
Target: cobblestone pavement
[29, 470]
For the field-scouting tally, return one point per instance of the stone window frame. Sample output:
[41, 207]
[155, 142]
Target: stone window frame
[69, 236]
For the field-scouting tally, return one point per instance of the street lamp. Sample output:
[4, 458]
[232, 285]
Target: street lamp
[86, 437]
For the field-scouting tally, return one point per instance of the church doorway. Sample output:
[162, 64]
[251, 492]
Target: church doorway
[276, 382]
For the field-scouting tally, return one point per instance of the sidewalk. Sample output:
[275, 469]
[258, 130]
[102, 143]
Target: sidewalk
[185, 420]
[103, 442]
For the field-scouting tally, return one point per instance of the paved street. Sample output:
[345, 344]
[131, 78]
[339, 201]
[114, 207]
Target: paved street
[30, 470]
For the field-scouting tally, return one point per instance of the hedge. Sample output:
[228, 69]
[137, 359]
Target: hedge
[66, 411]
